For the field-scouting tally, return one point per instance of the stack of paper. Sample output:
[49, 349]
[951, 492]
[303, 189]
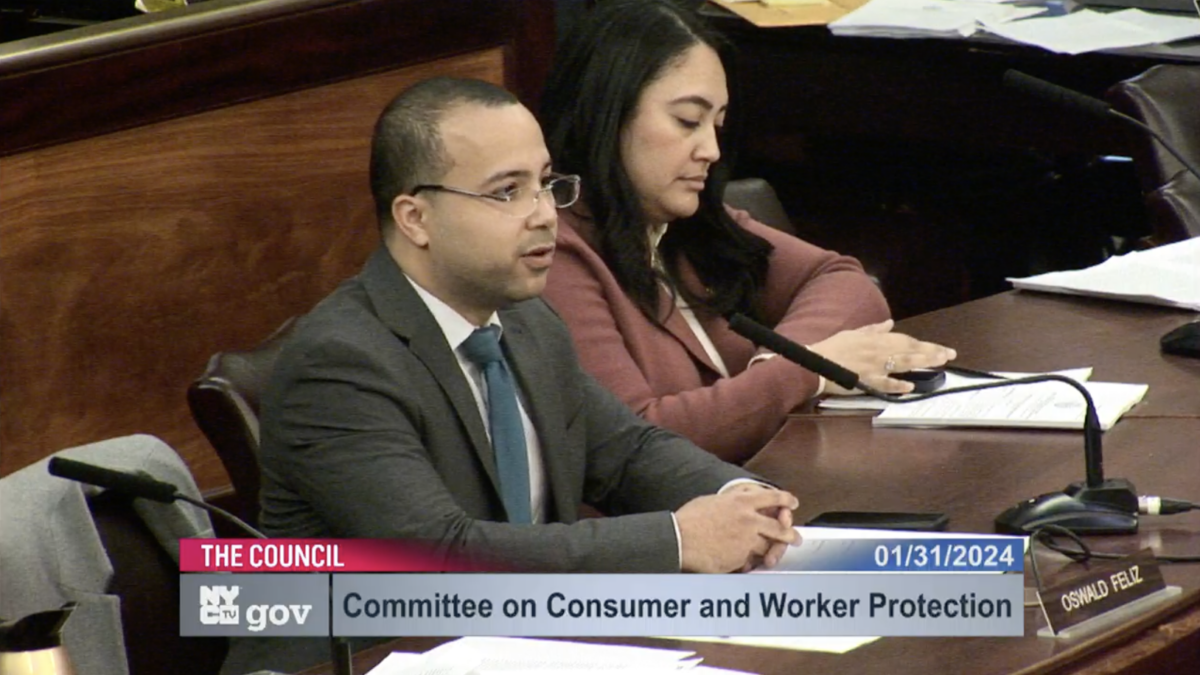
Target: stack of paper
[953, 381]
[1086, 30]
[926, 18]
[512, 656]
[1043, 405]
[1167, 275]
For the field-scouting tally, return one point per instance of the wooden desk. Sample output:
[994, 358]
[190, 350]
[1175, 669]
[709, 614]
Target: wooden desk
[840, 462]
[843, 463]
[1030, 332]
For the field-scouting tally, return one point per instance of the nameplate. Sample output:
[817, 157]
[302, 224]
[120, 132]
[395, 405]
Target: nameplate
[1109, 585]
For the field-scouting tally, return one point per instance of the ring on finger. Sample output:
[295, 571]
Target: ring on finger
[890, 364]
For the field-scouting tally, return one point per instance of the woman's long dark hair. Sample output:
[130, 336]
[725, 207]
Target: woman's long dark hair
[599, 74]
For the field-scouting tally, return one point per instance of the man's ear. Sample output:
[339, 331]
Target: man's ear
[410, 214]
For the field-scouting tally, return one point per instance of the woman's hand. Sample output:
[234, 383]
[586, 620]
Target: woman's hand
[875, 352]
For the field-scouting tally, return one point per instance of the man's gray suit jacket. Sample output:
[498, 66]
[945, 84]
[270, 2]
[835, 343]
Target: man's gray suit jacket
[369, 429]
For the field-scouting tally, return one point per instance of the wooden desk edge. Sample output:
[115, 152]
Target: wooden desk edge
[1128, 641]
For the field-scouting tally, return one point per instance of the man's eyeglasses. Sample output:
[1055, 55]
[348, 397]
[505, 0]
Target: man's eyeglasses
[519, 201]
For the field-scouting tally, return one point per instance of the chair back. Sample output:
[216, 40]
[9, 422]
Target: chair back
[1175, 208]
[1165, 98]
[147, 581]
[756, 196]
[225, 404]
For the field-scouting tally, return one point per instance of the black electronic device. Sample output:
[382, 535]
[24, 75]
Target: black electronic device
[882, 520]
[1183, 341]
[923, 380]
[1064, 510]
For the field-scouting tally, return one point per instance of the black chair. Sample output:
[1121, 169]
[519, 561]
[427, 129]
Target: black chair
[147, 581]
[1165, 98]
[758, 198]
[1175, 208]
[225, 405]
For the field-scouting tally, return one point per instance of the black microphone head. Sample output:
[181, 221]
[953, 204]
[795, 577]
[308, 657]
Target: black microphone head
[1053, 93]
[806, 358]
[136, 485]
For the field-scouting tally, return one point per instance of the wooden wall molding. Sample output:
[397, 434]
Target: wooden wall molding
[121, 74]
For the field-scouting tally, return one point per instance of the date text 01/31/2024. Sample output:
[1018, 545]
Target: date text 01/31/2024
[972, 556]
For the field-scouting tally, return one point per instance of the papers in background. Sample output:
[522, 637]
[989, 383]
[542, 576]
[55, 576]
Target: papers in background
[827, 644]
[927, 18]
[513, 656]
[1042, 405]
[817, 13]
[1167, 275]
[1086, 30]
[953, 380]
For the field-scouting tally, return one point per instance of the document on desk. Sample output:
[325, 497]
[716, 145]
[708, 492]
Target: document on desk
[1167, 275]
[1042, 405]
[953, 381]
[829, 644]
[927, 18]
[484, 655]
[1086, 30]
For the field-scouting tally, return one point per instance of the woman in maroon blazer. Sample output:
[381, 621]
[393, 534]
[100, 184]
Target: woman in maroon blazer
[650, 260]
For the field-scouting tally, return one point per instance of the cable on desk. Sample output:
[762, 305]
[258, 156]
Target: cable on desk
[1045, 536]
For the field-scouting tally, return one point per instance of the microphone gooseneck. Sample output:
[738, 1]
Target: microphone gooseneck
[1097, 506]
[1068, 98]
[138, 485]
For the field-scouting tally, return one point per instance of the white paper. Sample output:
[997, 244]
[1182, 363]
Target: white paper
[1086, 30]
[953, 381]
[926, 18]
[395, 663]
[1166, 275]
[477, 655]
[1042, 405]
[827, 644]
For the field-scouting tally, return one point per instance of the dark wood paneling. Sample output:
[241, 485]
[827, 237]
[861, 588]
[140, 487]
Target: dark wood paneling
[135, 71]
[130, 258]
[177, 184]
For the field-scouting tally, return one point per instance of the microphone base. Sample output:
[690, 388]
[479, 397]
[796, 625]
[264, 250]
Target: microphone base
[1108, 508]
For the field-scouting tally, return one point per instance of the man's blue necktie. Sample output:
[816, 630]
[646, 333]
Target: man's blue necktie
[504, 420]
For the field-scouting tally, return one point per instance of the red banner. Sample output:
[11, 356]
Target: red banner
[312, 555]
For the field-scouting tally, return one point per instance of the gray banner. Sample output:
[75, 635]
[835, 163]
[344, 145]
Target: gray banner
[262, 605]
[642, 604]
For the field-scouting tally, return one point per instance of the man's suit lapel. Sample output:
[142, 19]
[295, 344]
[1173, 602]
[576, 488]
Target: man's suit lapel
[402, 310]
[536, 379]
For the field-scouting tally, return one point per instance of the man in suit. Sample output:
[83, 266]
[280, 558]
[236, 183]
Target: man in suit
[377, 423]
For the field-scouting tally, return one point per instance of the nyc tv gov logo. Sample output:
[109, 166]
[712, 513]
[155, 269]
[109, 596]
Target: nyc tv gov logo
[254, 604]
[217, 605]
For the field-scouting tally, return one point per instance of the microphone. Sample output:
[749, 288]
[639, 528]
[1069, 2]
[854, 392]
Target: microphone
[138, 485]
[1096, 506]
[143, 486]
[1068, 98]
[800, 355]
